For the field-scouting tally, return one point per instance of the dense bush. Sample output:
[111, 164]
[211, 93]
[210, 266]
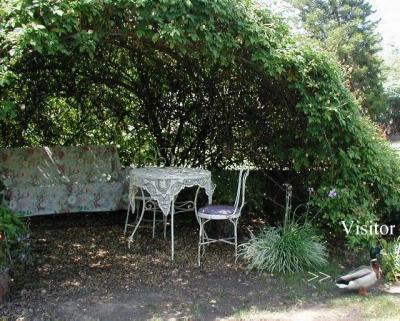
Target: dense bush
[218, 82]
[391, 260]
[14, 243]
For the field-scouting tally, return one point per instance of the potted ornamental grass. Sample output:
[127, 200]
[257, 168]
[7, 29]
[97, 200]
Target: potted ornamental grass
[14, 245]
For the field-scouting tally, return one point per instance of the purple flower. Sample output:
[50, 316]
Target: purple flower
[332, 193]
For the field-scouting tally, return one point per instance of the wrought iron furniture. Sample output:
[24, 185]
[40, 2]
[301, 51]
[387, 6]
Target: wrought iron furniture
[222, 212]
[163, 184]
[150, 205]
[163, 157]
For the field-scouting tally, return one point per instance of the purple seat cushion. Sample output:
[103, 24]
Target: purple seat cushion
[218, 210]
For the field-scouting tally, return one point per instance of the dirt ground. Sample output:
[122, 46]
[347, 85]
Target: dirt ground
[82, 269]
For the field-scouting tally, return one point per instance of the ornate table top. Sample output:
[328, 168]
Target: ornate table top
[164, 183]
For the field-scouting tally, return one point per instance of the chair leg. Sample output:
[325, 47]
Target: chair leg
[136, 227]
[201, 239]
[165, 218]
[236, 241]
[204, 238]
[138, 211]
[127, 218]
[172, 233]
[154, 220]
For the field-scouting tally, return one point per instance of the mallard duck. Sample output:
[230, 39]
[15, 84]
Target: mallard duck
[363, 277]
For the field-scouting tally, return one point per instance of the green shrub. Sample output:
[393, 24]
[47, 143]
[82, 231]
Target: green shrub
[290, 247]
[285, 249]
[14, 238]
[220, 81]
[391, 260]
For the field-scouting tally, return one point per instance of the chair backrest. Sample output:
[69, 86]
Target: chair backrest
[240, 194]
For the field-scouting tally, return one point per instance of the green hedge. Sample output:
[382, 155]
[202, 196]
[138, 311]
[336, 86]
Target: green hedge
[218, 81]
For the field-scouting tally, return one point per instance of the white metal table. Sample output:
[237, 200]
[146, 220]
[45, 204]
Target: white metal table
[163, 185]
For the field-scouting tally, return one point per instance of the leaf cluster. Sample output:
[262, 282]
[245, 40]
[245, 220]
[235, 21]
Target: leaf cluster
[13, 237]
[215, 82]
[286, 249]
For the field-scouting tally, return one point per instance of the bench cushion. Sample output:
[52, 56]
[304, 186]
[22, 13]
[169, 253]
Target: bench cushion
[67, 198]
[49, 180]
[218, 212]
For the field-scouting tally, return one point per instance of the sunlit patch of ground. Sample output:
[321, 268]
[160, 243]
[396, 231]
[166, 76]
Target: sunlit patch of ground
[382, 307]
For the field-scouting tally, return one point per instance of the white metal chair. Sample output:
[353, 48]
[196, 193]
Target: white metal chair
[223, 212]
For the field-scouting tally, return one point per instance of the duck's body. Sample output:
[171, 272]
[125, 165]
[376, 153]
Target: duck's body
[360, 279]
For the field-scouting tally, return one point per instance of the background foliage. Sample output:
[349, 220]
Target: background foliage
[391, 259]
[392, 89]
[347, 29]
[14, 239]
[215, 83]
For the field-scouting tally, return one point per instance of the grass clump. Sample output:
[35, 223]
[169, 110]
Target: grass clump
[391, 260]
[291, 247]
[284, 249]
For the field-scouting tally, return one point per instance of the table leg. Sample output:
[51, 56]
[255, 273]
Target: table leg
[138, 222]
[165, 221]
[127, 218]
[195, 203]
[172, 230]
[195, 210]
[131, 209]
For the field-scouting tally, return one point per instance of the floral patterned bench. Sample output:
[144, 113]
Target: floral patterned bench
[50, 180]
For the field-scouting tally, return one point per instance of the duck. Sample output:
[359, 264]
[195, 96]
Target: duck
[363, 277]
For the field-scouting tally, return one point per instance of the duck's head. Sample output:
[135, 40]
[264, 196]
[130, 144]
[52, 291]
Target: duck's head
[377, 269]
[375, 253]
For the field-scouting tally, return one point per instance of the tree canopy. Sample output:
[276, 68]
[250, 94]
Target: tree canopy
[392, 89]
[346, 28]
[217, 82]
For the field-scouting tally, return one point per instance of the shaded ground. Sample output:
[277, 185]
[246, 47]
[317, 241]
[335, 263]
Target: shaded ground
[83, 270]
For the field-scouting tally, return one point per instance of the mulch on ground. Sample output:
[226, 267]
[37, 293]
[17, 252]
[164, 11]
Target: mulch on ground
[82, 269]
